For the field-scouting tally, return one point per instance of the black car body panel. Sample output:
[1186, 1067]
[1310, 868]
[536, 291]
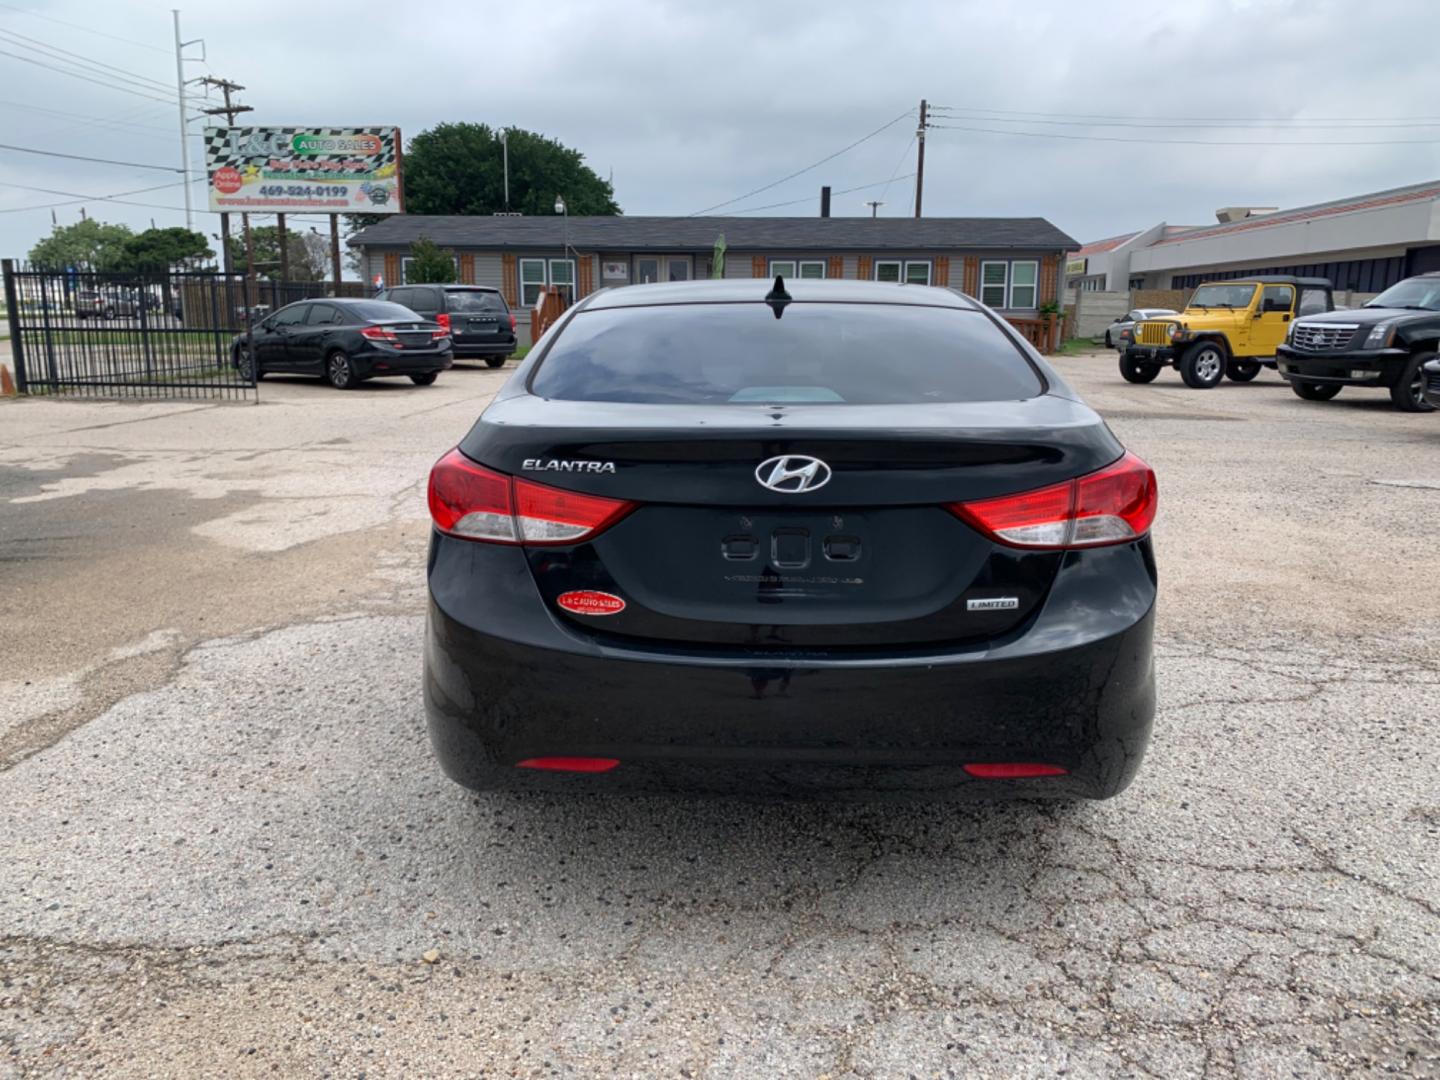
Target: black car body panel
[507, 680]
[1339, 354]
[481, 325]
[298, 338]
[861, 635]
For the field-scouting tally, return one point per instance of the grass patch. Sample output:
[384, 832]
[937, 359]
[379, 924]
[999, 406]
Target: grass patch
[1076, 346]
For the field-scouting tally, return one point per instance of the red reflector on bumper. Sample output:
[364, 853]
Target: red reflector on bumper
[1013, 770]
[570, 764]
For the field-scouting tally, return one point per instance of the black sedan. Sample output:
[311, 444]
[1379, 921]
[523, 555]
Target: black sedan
[844, 536]
[344, 342]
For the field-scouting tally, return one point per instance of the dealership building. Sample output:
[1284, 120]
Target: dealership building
[1013, 264]
[1363, 244]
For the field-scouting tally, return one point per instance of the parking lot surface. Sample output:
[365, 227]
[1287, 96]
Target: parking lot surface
[225, 850]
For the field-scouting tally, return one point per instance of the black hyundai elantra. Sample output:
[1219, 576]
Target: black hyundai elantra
[820, 535]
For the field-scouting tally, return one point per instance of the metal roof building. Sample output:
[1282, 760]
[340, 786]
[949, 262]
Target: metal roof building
[1363, 244]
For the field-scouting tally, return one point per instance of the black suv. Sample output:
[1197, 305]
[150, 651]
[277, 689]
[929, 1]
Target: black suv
[480, 323]
[1386, 343]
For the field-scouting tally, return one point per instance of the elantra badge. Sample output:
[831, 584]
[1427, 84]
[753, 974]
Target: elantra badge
[792, 473]
[591, 602]
[554, 465]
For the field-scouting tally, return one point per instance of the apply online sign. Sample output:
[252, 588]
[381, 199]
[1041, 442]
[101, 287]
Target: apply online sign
[296, 169]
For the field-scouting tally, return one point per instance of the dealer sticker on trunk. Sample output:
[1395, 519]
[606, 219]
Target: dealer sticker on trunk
[590, 602]
[993, 603]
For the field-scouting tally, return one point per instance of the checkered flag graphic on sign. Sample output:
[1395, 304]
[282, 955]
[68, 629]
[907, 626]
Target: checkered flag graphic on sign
[242, 146]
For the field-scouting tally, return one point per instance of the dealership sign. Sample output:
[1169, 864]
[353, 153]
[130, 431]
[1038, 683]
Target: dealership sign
[293, 169]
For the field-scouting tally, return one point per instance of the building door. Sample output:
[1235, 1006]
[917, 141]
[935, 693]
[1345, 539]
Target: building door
[652, 268]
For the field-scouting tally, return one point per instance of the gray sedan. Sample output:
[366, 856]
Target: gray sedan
[1124, 325]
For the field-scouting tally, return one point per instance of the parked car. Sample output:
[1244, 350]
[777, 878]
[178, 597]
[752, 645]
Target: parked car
[1228, 329]
[344, 342]
[764, 561]
[481, 324]
[1431, 368]
[1385, 343]
[1123, 328]
[108, 304]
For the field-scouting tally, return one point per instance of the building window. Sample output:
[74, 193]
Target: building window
[1024, 285]
[562, 274]
[535, 274]
[803, 268]
[910, 271]
[994, 276]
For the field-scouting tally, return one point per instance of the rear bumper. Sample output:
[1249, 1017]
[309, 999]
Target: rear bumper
[505, 681]
[380, 362]
[464, 350]
[1367, 367]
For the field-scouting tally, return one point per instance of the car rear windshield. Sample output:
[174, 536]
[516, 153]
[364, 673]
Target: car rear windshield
[382, 311]
[857, 354]
[467, 300]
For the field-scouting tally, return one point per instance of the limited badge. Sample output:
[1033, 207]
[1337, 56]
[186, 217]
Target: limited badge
[993, 603]
[590, 602]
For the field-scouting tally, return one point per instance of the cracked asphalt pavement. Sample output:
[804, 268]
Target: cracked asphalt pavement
[226, 851]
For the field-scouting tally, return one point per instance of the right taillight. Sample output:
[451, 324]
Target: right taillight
[472, 502]
[1111, 506]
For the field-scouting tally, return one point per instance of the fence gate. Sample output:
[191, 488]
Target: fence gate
[164, 335]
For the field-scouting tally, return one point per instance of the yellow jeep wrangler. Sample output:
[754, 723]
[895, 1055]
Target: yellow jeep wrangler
[1228, 328]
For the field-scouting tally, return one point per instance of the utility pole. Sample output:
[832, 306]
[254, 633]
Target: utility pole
[230, 110]
[874, 205]
[184, 131]
[920, 157]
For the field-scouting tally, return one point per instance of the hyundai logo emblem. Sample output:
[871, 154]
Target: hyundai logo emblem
[792, 473]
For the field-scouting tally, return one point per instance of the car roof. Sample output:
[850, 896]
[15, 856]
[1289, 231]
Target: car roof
[739, 290]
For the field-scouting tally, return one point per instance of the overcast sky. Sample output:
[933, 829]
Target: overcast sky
[690, 104]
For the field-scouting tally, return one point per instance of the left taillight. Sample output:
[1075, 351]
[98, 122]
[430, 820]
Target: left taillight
[379, 333]
[472, 502]
[1111, 506]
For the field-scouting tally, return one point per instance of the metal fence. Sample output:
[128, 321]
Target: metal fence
[165, 335]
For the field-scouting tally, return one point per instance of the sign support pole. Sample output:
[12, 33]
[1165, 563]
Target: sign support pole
[284, 247]
[335, 250]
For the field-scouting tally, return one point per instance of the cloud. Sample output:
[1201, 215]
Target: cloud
[690, 104]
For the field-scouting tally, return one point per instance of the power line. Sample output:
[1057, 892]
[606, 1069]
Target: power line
[83, 118]
[82, 157]
[1183, 142]
[88, 78]
[76, 197]
[807, 168]
[899, 165]
[846, 191]
[88, 30]
[1397, 121]
[73, 57]
[1187, 125]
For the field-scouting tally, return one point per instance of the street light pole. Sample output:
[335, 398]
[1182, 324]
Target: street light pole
[505, 152]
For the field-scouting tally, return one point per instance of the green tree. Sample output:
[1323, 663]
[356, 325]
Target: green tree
[459, 169]
[306, 252]
[161, 249]
[430, 265]
[86, 245]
